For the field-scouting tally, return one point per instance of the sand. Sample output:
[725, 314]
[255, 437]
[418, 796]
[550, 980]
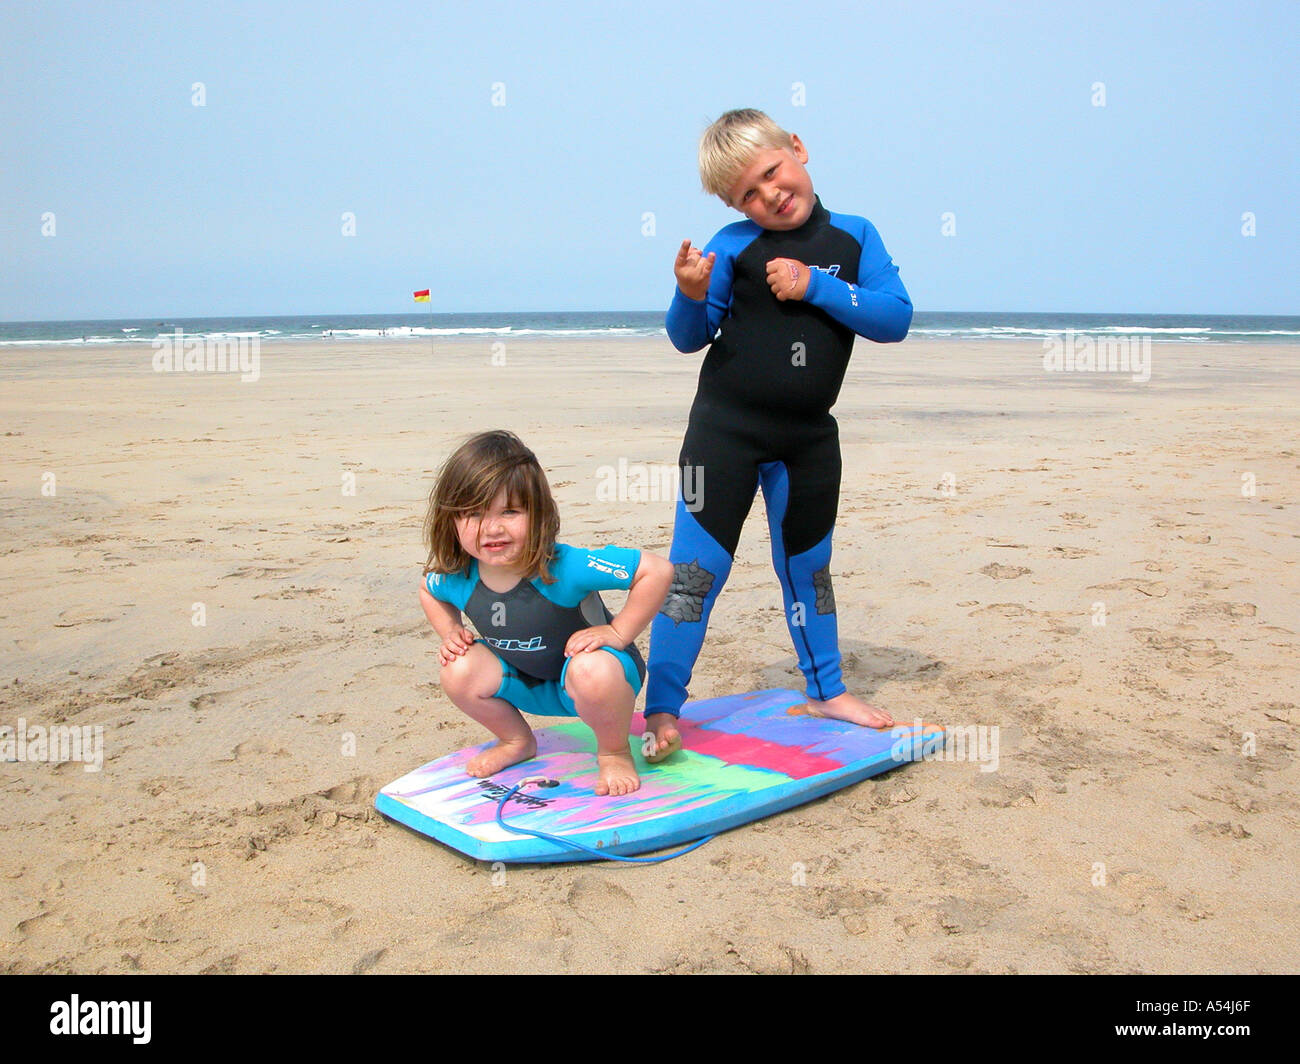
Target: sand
[222, 575]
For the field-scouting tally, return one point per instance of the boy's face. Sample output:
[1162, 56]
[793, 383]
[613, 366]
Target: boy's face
[775, 191]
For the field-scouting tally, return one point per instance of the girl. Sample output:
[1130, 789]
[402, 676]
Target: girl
[545, 644]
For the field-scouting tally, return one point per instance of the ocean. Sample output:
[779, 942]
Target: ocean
[340, 328]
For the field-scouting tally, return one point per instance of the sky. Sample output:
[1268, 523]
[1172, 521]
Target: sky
[189, 159]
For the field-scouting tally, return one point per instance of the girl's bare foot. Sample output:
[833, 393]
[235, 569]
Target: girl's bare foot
[617, 773]
[852, 709]
[502, 754]
[667, 739]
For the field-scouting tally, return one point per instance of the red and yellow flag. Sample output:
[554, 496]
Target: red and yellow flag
[422, 297]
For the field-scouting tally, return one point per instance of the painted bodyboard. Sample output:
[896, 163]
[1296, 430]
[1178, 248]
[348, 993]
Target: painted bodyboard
[744, 757]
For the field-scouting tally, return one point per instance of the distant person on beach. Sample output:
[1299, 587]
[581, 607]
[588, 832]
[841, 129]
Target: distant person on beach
[546, 644]
[780, 297]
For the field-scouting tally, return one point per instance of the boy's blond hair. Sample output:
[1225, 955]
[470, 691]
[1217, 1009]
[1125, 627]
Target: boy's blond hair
[731, 142]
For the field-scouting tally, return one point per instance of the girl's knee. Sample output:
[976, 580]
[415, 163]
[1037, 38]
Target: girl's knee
[474, 672]
[594, 674]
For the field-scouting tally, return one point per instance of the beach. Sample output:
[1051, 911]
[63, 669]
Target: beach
[220, 574]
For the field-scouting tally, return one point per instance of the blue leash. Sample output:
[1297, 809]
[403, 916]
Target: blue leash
[542, 781]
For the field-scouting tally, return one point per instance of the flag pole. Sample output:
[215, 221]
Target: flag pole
[423, 296]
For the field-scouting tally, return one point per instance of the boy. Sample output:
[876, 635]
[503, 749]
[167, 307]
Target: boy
[780, 296]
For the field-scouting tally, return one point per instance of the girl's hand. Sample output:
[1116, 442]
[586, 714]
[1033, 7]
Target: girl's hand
[788, 278]
[457, 643]
[692, 271]
[602, 635]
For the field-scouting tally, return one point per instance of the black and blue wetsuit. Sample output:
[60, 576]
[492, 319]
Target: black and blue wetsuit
[761, 416]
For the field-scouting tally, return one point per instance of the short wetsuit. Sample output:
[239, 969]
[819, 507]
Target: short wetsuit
[762, 416]
[528, 626]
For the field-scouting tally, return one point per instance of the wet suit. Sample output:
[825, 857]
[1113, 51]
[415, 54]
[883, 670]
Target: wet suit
[761, 416]
[528, 627]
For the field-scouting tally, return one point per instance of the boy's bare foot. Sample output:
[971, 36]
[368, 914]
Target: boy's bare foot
[668, 740]
[852, 709]
[617, 773]
[502, 754]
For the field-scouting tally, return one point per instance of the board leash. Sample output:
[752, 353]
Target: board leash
[543, 781]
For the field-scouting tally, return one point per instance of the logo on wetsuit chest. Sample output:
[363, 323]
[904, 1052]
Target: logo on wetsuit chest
[515, 644]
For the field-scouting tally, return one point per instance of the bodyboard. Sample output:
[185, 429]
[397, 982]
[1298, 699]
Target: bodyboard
[744, 757]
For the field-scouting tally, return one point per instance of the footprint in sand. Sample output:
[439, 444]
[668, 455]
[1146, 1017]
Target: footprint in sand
[595, 898]
[1150, 588]
[1187, 654]
[407, 629]
[1061, 623]
[1129, 892]
[208, 699]
[763, 957]
[925, 923]
[1073, 552]
[1226, 610]
[258, 571]
[957, 960]
[70, 618]
[1004, 792]
[1223, 828]
[999, 571]
[381, 677]
[254, 748]
[1003, 609]
[859, 909]
[354, 790]
[1085, 949]
[1240, 802]
[292, 592]
[351, 801]
[369, 961]
[313, 910]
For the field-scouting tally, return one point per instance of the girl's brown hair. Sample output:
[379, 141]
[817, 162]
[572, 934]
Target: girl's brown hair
[468, 482]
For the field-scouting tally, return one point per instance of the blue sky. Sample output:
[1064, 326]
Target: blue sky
[909, 111]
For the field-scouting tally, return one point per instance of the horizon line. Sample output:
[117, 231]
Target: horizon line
[658, 311]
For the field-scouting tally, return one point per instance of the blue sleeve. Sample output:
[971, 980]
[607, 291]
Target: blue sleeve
[579, 572]
[692, 323]
[878, 306]
[453, 588]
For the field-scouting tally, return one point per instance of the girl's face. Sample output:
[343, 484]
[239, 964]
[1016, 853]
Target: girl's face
[496, 537]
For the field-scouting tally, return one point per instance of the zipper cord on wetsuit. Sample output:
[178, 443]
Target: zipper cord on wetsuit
[542, 781]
